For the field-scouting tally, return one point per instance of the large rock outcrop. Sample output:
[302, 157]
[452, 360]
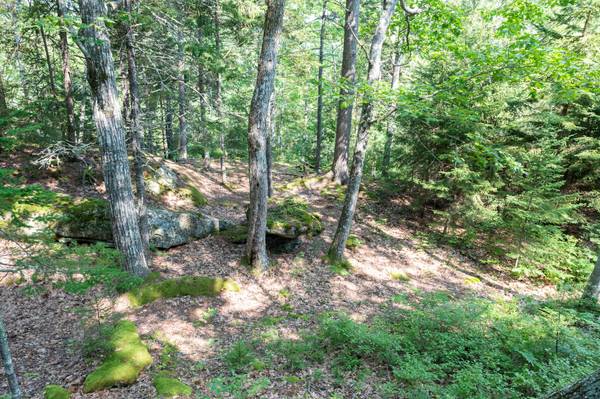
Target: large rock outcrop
[89, 220]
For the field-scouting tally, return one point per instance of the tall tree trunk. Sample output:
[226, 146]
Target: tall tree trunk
[170, 153]
[218, 89]
[136, 131]
[336, 251]
[592, 289]
[202, 84]
[3, 104]
[123, 74]
[48, 62]
[586, 388]
[320, 91]
[183, 155]
[256, 251]
[18, 59]
[66, 69]
[109, 124]
[389, 134]
[346, 102]
[9, 370]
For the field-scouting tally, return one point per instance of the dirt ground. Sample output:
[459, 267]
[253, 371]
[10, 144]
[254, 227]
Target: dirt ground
[44, 330]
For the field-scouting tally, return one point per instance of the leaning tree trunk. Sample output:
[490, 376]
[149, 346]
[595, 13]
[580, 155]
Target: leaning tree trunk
[66, 69]
[183, 155]
[136, 131]
[336, 251]
[346, 102]
[48, 61]
[256, 251]
[320, 91]
[218, 89]
[586, 388]
[9, 370]
[592, 289]
[389, 134]
[109, 124]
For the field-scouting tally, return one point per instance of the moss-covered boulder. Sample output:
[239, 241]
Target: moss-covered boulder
[168, 387]
[129, 356]
[291, 218]
[56, 392]
[183, 286]
[89, 220]
[159, 178]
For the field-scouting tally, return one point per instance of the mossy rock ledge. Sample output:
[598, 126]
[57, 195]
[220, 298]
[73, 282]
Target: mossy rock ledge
[124, 364]
[89, 221]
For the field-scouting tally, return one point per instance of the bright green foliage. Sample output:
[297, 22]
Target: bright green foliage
[184, 286]
[168, 387]
[471, 348]
[56, 392]
[240, 356]
[122, 366]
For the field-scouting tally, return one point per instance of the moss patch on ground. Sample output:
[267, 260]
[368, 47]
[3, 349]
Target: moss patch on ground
[184, 286]
[236, 235]
[168, 387]
[123, 365]
[292, 214]
[56, 392]
[353, 242]
[195, 195]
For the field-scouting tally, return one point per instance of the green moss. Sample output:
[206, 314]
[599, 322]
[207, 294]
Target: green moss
[343, 267]
[195, 195]
[56, 392]
[184, 286]
[123, 365]
[168, 387]
[353, 242]
[292, 214]
[236, 235]
[399, 276]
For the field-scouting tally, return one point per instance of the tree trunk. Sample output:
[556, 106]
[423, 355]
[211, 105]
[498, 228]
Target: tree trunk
[202, 85]
[3, 105]
[66, 69]
[256, 251]
[218, 95]
[181, 83]
[136, 131]
[320, 91]
[389, 134]
[48, 62]
[336, 251]
[592, 289]
[169, 128]
[109, 124]
[19, 61]
[9, 370]
[586, 388]
[346, 102]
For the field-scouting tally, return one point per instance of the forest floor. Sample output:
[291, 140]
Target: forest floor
[287, 299]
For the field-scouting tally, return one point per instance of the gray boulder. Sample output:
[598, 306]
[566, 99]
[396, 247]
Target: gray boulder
[89, 221]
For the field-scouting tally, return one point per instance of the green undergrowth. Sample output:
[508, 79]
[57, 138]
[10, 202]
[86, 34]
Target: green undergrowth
[342, 266]
[169, 387]
[129, 356]
[440, 347]
[155, 289]
[195, 195]
[353, 242]
[56, 392]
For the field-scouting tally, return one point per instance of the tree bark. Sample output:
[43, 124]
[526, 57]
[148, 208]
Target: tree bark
[183, 155]
[389, 134]
[586, 388]
[346, 102]
[592, 289]
[320, 91]
[336, 251]
[270, 135]
[109, 124]
[9, 370]
[218, 89]
[202, 85]
[48, 62]
[66, 69]
[256, 251]
[169, 128]
[136, 131]
[3, 104]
